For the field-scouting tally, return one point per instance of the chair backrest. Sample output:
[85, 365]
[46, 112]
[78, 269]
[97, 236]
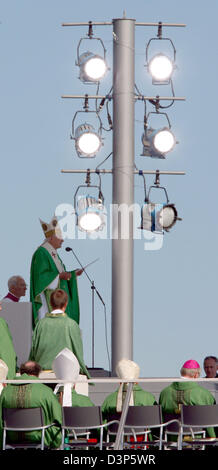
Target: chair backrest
[199, 415]
[22, 418]
[172, 427]
[82, 417]
[144, 416]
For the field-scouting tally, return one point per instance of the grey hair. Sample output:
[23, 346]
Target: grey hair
[13, 281]
[189, 372]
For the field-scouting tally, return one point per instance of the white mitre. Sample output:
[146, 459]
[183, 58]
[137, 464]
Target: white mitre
[126, 369]
[51, 228]
[66, 367]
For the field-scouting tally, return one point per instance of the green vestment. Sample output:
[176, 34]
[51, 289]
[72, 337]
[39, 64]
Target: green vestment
[185, 393]
[43, 272]
[80, 400]
[7, 352]
[52, 334]
[33, 396]
[140, 397]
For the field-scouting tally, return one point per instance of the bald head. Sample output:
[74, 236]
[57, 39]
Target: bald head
[30, 368]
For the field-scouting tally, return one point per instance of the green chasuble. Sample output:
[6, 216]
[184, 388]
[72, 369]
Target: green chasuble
[33, 396]
[52, 334]
[7, 352]
[140, 397]
[80, 400]
[185, 393]
[43, 273]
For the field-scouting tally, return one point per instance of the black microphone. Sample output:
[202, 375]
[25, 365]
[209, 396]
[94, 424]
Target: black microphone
[68, 248]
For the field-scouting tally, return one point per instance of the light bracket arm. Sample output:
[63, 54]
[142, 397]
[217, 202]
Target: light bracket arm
[86, 110]
[157, 186]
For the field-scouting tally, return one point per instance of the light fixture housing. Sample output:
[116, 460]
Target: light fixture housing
[90, 214]
[92, 66]
[160, 65]
[161, 68]
[158, 218]
[157, 142]
[88, 142]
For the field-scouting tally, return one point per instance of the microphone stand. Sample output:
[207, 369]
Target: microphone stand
[93, 289]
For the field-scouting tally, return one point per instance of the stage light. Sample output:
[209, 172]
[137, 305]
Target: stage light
[92, 67]
[90, 216]
[161, 68]
[87, 141]
[158, 217]
[156, 143]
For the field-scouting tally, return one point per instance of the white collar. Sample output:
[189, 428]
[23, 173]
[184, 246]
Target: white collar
[57, 311]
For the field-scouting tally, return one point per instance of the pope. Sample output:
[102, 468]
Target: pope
[48, 273]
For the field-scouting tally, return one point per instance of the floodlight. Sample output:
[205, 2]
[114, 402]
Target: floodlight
[87, 141]
[160, 65]
[158, 217]
[161, 68]
[92, 66]
[156, 143]
[90, 216]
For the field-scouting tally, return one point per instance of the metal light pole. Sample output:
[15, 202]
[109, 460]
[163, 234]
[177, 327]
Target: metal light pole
[123, 188]
[123, 172]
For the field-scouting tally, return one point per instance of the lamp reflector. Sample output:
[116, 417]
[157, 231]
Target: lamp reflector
[88, 142]
[92, 67]
[164, 141]
[167, 216]
[95, 68]
[90, 214]
[160, 67]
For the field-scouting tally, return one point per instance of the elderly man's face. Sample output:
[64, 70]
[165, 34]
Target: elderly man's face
[55, 241]
[210, 368]
[20, 288]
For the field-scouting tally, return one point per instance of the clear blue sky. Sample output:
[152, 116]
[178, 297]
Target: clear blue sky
[175, 304]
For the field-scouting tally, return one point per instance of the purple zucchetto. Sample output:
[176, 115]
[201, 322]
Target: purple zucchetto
[191, 364]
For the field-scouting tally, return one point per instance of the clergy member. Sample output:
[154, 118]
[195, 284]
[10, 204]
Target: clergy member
[33, 395]
[66, 367]
[48, 273]
[188, 392]
[55, 332]
[113, 403]
[16, 289]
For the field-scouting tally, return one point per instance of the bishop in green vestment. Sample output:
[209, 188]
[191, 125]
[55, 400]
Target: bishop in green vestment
[140, 398]
[126, 369]
[188, 392]
[33, 395]
[48, 273]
